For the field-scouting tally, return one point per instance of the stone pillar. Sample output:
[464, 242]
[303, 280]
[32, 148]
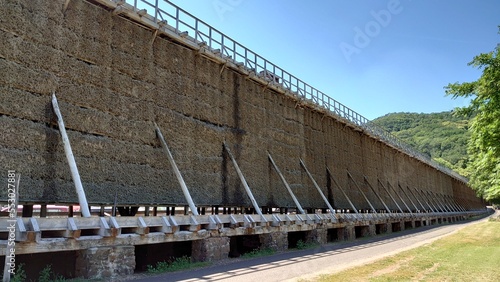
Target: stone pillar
[276, 241]
[388, 228]
[372, 230]
[210, 249]
[105, 262]
[318, 235]
[349, 233]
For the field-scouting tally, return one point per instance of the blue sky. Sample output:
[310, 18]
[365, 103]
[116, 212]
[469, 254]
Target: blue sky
[375, 57]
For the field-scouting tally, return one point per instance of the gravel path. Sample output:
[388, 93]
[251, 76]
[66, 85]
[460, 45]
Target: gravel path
[306, 264]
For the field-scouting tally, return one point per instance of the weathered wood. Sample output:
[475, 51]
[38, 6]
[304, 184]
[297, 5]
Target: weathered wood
[399, 196]
[297, 203]
[317, 186]
[360, 190]
[390, 195]
[178, 174]
[342, 190]
[243, 181]
[375, 192]
[82, 199]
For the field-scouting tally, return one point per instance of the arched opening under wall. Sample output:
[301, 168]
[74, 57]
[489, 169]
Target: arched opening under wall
[335, 234]
[152, 254]
[295, 237]
[362, 231]
[57, 264]
[408, 225]
[240, 245]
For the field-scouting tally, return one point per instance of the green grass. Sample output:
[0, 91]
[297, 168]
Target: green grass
[181, 263]
[301, 245]
[471, 254]
[258, 253]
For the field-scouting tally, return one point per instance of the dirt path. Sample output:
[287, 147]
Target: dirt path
[307, 264]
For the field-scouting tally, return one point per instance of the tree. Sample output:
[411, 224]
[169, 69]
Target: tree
[484, 144]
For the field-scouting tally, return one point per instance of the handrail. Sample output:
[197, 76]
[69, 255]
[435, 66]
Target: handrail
[226, 47]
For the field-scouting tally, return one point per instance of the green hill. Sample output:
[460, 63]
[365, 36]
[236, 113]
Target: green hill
[441, 136]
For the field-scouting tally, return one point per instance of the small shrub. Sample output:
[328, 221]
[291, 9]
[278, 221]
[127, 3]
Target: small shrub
[20, 275]
[258, 253]
[301, 245]
[181, 263]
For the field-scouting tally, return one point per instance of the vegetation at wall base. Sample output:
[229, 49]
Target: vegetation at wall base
[181, 263]
[258, 253]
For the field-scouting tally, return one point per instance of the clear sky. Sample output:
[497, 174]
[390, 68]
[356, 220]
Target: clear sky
[375, 57]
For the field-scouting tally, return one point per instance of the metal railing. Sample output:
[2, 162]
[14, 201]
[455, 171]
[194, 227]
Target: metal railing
[189, 27]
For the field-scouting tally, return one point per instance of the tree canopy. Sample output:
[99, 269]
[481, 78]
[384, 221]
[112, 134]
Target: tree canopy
[484, 144]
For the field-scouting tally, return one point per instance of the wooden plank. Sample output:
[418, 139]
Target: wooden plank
[299, 207]
[317, 186]
[184, 187]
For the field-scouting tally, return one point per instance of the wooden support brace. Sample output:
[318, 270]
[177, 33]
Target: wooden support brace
[276, 221]
[360, 190]
[300, 220]
[166, 227]
[115, 228]
[72, 230]
[233, 221]
[142, 12]
[142, 227]
[118, 10]
[195, 226]
[332, 210]
[155, 34]
[213, 222]
[104, 229]
[35, 234]
[21, 231]
[65, 7]
[248, 221]
[244, 182]
[174, 224]
[177, 173]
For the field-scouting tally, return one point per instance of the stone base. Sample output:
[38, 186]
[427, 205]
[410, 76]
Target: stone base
[317, 236]
[105, 262]
[211, 249]
[276, 241]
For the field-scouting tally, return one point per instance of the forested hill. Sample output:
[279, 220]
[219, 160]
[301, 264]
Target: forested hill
[442, 136]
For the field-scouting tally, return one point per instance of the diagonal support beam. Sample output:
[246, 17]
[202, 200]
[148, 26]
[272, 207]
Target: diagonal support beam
[394, 200]
[299, 207]
[317, 186]
[408, 197]
[432, 201]
[414, 196]
[82, 199]
[439, 202]
[426, 201]
[362, 193]
[244, 182]
[341, 190]
[399, 196]
[447, 203]
[177, 173]
[375, 192]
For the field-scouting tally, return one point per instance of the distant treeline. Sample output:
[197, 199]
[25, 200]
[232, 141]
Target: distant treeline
[441, 136]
